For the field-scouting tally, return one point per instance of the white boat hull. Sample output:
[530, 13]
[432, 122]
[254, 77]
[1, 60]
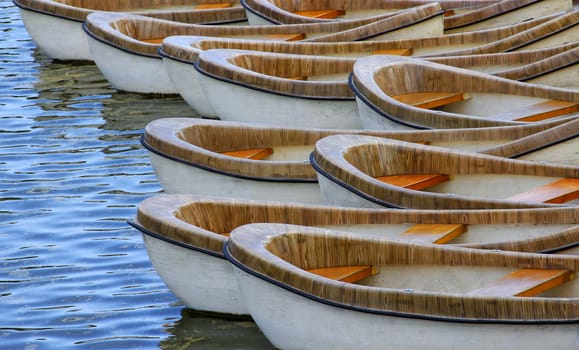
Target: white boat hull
[233, 102]
[370, 119]
[291, 321]
[176, 177]
[64, 41]
[186, 81]
[202, 281]
[130, 72]
[336, 195]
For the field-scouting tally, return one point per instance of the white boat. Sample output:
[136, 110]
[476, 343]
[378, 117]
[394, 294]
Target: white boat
[551, 66]
[184, 236]
[56, 25]
[460, 16]
[365, 171]
[353, 291]
[284, 90]
[252, 161]
[440, 96]
[125, 47]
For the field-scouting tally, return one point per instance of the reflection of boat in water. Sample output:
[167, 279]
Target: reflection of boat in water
[81, 90]
[196, 330]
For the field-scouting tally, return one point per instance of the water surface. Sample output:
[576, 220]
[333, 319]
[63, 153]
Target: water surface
[73, 274]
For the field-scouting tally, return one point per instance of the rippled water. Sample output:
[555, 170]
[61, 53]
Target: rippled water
[73, 274]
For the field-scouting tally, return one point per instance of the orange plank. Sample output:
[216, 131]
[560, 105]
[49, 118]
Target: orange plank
[326, 14]
[286, 37]
[350, 274]
[431, 99]
[153, 41]
[560, 191]
[414, 181]
[395, 52]
[219, 5]
[256, 154]
[524, 283]
[539, 111]
[433, 233]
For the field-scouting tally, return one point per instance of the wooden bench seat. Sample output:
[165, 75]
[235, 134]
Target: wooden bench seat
[157, 41]
[255, 154]
[433, 233]
[414, 181]
[286, 37]
[350, 274]
[325, 14]
[218, 5]
[539, 111]
[432, 99]
[524, 283]
[395, 52]
[560, 191]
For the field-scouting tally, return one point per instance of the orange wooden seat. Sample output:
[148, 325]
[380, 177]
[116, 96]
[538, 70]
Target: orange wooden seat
[286, 37]
[219, 5]
[433, 233]
[395, 52]
[153, 41]
[560, 191]
[524, 283]
[414, 181]
[255, 154]
[431, 99]
[539, 111]
[325, 14]
[350, 274]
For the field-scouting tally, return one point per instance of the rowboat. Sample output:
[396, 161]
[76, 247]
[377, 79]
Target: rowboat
[125, 48]
[286, 90]
[185, 241]
[460, 16]
[252, 161]
[422, 98]
[260, 12]
[365, 171]
[313, 91]
[554, 66]
[356, 291]
[56, 25]
[557, 66]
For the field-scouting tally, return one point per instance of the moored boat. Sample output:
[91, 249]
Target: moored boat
[353, 291]
[125, 48]
[251, 161]
[460, 16]
[552, 66]
[365, 171]
[432, 95]
[56, 25]
[287, 90]
[185, 235]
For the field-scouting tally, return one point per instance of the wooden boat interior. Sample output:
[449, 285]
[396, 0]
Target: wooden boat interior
[416, 176]
[428, 278]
